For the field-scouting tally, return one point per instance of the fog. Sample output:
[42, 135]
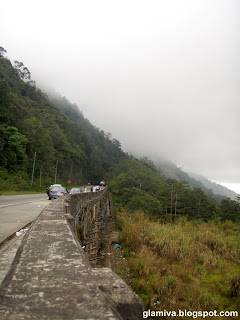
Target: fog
[162, 76]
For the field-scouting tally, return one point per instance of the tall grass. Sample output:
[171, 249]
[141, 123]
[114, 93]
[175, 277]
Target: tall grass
[192, 265]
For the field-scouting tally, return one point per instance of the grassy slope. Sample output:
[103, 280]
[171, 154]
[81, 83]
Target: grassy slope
[190, 265]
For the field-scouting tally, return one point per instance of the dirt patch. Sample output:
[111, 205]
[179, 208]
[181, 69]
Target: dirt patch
[110, 256]
[109, 237]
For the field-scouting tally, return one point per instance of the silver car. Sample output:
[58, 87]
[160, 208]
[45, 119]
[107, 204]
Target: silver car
[56, 192]
[75, 190]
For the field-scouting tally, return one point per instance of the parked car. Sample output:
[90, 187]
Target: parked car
[56, 192]
[52, 186]
[97, 188]
[75, 190]
[102, 183]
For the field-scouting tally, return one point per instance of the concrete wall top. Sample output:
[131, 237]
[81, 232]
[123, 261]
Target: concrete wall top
[51, 278]
[78, 200]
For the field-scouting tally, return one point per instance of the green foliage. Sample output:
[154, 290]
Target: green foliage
[141, 200]
[22, 71]
[230, 210]
[2, 51]
[6, 109]
[138, 185]
[13, 147]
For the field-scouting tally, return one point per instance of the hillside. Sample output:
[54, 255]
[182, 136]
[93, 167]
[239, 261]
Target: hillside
[213, 190]
[216, 188]
[56, 131]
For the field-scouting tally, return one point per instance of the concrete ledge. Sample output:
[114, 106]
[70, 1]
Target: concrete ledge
[115, 289]
[51, 278]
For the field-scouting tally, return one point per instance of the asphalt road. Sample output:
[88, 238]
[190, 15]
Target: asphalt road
[17, 211]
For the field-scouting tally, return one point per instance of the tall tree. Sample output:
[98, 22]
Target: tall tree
[2, 52]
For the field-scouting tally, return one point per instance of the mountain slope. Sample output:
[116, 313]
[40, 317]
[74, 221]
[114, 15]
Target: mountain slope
[59, 135]
[213, 190]
[216, 188]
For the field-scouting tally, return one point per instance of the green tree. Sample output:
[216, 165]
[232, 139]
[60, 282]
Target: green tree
[230, 210]
[116, 143]
[13, 147]
[39, 140]
[2, 52]
[6, 112]
[137, 199]
[22, 71]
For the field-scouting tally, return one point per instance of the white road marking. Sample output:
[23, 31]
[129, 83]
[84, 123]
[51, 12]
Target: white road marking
[16, 204]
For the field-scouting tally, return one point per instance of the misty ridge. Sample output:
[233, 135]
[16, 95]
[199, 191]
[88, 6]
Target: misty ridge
[166, 166]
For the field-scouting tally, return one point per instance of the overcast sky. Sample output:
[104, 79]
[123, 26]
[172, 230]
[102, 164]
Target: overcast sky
[162, 76]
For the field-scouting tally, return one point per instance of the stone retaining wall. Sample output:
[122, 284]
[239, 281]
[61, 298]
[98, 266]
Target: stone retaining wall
[91, 212]
[51, 277]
